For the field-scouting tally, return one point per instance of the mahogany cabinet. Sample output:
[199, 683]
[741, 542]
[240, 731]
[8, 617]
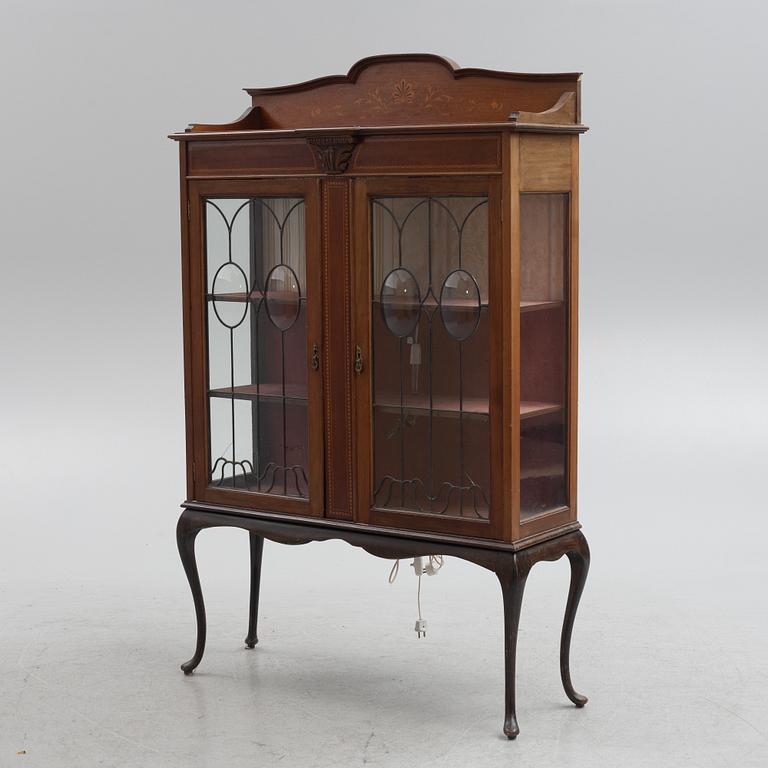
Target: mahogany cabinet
[380, 275]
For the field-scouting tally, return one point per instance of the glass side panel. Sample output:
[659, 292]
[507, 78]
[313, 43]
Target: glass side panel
[430, 329]
[257, 344]
[543, 352]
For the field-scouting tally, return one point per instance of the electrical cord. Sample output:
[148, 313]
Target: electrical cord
[418, 598]
[434, 564]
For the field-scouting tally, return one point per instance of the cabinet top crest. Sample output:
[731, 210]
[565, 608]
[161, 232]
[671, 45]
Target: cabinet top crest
[397, 91]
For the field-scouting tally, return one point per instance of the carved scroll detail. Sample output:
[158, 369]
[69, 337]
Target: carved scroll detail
[250, 120]
[563, 112]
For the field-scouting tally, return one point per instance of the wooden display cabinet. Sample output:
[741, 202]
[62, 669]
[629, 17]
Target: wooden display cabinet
[380, 320]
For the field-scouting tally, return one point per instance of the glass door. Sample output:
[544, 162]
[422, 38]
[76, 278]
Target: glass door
[429, 426]
[261, 339]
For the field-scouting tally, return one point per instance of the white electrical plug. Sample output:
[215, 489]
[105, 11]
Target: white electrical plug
[433, 564]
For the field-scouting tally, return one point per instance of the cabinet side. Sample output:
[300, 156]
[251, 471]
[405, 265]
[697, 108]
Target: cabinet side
[511, 334]
[186, 319]
[546, 336]
[573, 340]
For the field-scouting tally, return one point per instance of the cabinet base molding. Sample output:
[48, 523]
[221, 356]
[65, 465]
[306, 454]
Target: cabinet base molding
[511, 566]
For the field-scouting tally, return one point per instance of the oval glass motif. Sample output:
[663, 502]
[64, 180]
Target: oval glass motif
[283, 297]
[460, 304]
[400, 302]
[230, 294]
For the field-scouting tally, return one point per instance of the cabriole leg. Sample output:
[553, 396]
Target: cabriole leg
[579, 559]
[512, 588]
[257, 548]
[186, 534]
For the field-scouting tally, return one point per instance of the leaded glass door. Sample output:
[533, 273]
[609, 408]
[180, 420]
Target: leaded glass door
[258, 437]
[428, 289]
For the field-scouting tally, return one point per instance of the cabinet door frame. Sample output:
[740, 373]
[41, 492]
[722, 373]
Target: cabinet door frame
[364, 189]
[309, 189]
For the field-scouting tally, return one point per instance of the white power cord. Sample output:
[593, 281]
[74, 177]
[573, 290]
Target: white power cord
[434, 564]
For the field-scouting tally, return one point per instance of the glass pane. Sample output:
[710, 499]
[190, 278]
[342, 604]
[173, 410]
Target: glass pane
[257, 344]
[430, 323]
[282, 297]
[543, 352]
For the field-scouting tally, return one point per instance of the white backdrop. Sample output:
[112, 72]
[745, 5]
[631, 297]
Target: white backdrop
[673, 365]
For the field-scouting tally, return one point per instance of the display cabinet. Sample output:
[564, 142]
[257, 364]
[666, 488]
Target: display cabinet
[380, 277]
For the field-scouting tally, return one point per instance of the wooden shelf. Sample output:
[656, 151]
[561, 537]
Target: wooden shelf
[430, 303]
[525, 306]
[442, 403]
[471, 405]
[533, 306]
[270, 391]
[237, 297]
[284, 297]
[531, 408]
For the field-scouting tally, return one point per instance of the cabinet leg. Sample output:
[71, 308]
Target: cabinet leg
[257, 548]
[512, 588]
[579, 559]
[185, 538]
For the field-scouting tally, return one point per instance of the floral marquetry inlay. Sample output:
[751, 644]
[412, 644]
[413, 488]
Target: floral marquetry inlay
[405, 92]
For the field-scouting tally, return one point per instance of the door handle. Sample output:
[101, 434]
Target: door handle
[358, 360]
[315, 357]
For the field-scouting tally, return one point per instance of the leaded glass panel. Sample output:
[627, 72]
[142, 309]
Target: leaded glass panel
[430, 328]
[257, 341]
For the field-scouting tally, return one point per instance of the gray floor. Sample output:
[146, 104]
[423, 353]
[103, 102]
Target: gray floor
[676, 674]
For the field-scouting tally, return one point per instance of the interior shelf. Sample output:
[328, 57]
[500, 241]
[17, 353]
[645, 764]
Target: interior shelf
[268, 391]
[240, 297]
[439, 403]
[473, 405]
[531, 408]
[532, 306]
[431, 303]
[275, 297]
[394, 303]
